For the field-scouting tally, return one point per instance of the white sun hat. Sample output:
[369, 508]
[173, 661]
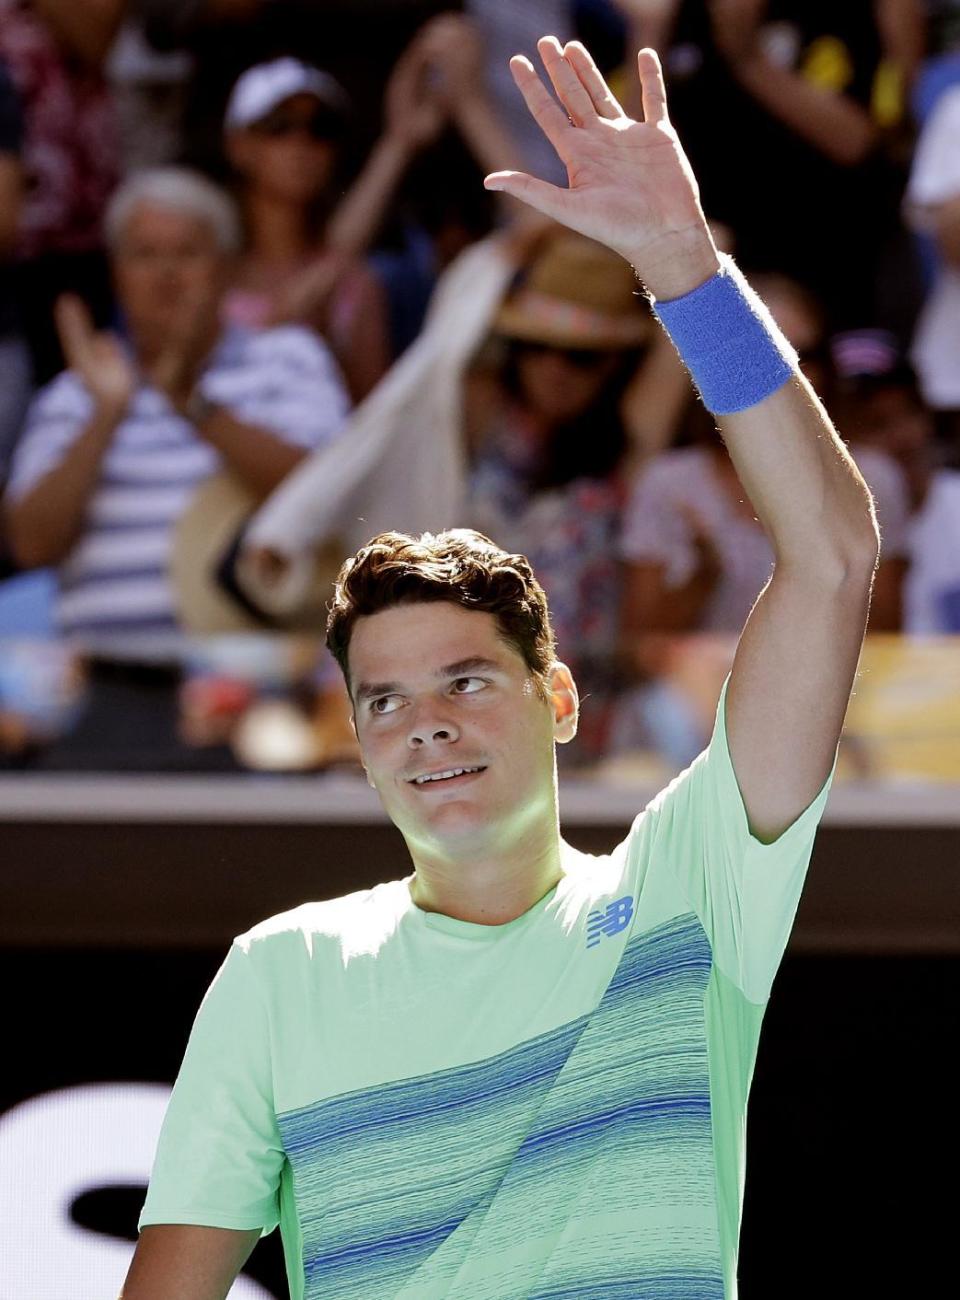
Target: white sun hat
[261, 88]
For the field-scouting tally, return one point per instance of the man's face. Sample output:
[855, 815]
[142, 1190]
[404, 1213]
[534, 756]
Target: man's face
[169, 272]
[430, 721]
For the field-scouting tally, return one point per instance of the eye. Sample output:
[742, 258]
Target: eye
[374, 703]
[468, 679]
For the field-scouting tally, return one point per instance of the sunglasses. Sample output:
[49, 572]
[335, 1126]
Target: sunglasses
[320, 125]
[582, 358]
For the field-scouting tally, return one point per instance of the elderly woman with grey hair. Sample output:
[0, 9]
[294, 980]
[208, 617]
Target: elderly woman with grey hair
[115, 447]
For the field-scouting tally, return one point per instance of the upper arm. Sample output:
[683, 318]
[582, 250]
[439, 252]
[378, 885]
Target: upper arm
[789, 689]
[187, 1261]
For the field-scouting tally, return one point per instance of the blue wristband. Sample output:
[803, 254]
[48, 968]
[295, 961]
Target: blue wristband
[728, 340]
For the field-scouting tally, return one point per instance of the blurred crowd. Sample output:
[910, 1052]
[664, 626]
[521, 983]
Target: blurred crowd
[255, 305]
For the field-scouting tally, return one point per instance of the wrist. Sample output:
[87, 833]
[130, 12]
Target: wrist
[196, 407]
[110, 410]
[678, 264]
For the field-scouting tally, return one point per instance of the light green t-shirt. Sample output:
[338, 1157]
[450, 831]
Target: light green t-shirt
[556, 1106]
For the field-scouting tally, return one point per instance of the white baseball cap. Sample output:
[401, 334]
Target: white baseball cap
[261, 88]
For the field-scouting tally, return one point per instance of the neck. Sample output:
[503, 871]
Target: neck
[484, 888]
[277, 231]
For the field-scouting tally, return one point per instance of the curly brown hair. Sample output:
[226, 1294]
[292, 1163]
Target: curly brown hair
[460, 566]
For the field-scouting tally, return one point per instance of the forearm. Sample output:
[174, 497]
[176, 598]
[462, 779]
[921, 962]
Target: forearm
[259, 458]
[357, 218]
[44, 524]
[805, 487]
[835, 125]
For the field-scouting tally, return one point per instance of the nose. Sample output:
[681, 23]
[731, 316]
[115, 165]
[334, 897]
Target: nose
[428, 728]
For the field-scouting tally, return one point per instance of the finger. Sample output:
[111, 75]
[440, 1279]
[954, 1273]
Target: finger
[74, 325]
[551, 200]
[654, 92]
[602, 97]
[547, 113]
[570, 89]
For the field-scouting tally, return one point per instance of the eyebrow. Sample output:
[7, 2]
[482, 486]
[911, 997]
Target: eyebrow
[476, 663]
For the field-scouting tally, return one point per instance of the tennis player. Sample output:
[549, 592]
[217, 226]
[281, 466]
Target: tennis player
[522, 1071]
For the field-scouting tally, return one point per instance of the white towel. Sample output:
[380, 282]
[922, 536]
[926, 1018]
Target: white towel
[399, 462]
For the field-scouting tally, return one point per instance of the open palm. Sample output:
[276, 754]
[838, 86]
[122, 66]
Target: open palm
[630, 185]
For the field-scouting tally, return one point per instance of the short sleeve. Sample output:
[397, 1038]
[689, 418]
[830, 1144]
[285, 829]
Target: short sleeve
[219, 1156]
[289, 383]
[55, 418]
[744, 892]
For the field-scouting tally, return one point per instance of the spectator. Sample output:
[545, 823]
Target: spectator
[780, 104]
[879, 402]
[932, 207]
[149, 88]
[115, 446]
[14, 357]
[550, 444]
[55, 51]
[302, 260]
[696, 557]
[283, 127]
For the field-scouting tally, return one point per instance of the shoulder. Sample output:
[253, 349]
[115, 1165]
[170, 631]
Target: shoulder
[64, 395]
[300, 927]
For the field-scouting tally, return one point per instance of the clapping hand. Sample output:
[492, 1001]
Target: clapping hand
[175, 368]
[97, 356]
[630, 185]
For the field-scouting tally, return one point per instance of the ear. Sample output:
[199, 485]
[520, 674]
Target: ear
[566, 703]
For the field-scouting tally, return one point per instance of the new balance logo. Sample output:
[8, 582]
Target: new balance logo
[610, 921]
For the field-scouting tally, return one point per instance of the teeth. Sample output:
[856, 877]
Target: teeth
[442, 776]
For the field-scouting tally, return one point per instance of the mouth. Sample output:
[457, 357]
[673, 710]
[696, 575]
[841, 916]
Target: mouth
[447, 782]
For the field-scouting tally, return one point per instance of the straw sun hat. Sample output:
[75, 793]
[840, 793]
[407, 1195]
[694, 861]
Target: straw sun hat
[576, 294]
[204, 554]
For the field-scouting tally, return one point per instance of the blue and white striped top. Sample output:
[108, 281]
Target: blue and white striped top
[115, 596]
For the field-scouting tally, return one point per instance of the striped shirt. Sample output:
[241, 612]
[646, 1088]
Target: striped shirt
[115, 596]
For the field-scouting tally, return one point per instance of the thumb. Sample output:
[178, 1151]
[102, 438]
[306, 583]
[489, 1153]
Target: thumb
[552, 200]
[73, 324]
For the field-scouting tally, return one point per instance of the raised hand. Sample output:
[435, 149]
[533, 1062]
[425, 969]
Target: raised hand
[98, 357]
[630, 185]
[453, 46]
[415, 111]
